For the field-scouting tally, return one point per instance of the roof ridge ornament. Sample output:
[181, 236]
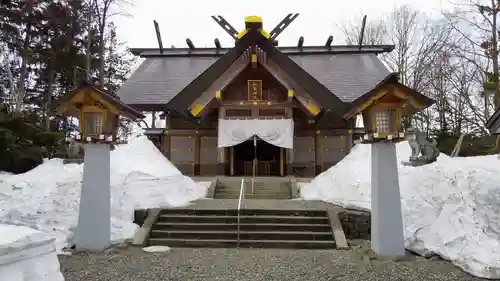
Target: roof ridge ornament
[255, 23]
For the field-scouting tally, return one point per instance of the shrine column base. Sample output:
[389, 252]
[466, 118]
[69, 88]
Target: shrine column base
[387, 237]
[94, 228]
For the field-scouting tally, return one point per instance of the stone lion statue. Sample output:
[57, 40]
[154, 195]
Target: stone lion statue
[423, 149]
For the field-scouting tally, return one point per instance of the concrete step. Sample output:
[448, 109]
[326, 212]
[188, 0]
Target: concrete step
[252, 196]
[244, 212]
[255, 196]
[243, 226]
[243, 219]
[249, 190]
[255, 192]
[231, 243]
[244, 234]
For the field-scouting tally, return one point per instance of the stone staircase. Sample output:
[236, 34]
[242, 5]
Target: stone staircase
[259, 228]
[263, 188]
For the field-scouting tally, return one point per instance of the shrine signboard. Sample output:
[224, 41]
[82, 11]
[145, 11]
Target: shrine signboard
[254, 90]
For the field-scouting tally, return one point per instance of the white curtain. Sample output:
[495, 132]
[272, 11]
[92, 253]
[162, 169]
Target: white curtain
[278, 132]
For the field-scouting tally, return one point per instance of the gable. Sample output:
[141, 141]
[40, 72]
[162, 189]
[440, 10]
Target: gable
[318, 91]
[237, 90]
[91, 95]
[390, 90]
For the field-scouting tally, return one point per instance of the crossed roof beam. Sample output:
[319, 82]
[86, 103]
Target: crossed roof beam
[275, 32]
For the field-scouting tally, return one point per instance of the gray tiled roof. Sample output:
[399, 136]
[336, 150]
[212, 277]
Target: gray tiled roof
[158, 79]
[348, 76]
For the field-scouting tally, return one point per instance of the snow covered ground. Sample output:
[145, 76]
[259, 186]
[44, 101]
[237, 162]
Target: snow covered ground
[450, 207]
[27, 255]
[47, 197]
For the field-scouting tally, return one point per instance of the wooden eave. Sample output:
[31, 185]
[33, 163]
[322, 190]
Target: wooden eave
[318, 91]
[492, 124]
[389, 85]
[124, 110]
[289, 50]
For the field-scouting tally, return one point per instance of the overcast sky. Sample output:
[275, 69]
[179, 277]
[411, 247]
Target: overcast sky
[318, 19]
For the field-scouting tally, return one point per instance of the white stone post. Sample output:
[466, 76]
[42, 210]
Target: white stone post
[94, 227]
[387, 237]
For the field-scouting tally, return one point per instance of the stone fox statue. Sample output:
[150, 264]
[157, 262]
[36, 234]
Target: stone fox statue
[423, 150]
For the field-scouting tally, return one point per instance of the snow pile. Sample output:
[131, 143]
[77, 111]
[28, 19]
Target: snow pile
[450, 207]
[47, 197]
[27, 255]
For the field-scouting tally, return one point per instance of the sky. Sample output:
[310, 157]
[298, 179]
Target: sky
[318, 19]
[179, 20]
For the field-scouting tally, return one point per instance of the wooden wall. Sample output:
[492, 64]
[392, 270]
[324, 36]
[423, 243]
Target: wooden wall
[237, 90]
[314, 153]
[197, 154]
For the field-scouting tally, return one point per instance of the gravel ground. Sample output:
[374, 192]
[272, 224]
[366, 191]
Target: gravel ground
[130, 263]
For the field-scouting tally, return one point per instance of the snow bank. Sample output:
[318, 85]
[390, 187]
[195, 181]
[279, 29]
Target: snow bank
[450, 207]
[47, 197]
[27, 255]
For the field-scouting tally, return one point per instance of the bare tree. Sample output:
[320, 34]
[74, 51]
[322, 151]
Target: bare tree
[374, 33]
[417, 40]
[477, 22]
[102, 10]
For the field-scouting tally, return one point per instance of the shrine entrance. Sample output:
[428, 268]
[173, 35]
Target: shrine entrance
[269, 159]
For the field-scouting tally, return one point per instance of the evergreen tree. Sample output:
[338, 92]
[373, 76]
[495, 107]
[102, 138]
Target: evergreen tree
[48, 46]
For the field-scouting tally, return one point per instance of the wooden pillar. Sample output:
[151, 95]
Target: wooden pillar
[289, 161]
[221, 161]
[153, 120]
[350, 132]
[168, 126]
[221, 152]
[231, 161]
[317, 153]
[197, 152]
[289, 151]
[282, 162]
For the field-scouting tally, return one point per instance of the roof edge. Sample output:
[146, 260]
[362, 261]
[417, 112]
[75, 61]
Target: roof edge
[393, 77]
[110, 97]
[491, 121]
[289, 50]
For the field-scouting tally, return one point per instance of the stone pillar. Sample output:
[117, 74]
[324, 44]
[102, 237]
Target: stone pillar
[94, 228]
[387, 238]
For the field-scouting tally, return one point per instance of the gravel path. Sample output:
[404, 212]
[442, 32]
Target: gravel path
[129, 263]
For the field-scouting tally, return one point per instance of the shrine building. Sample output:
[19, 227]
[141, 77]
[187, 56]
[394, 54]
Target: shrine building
[292, 108]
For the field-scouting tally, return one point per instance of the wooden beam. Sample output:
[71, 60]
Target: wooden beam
[226, 26]
[284, 23]
[301, 42]
[158, 36]
[217, 43]
[300, 94]
[329, 41]
[360, 108]
[190, 44]
[362, 33]
[214, 90]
